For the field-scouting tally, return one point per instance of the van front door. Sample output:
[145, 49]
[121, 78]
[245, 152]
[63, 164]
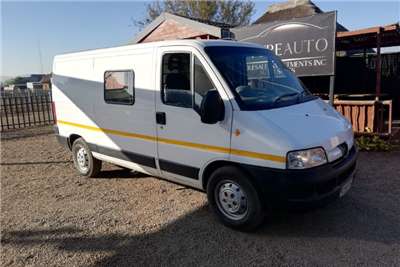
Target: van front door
[185, 144]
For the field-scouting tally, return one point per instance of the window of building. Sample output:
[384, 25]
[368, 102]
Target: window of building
[119, 87]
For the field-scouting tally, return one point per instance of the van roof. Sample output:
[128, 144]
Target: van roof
[192, 42]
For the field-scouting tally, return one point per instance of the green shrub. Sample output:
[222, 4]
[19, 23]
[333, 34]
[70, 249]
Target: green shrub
[372, 143]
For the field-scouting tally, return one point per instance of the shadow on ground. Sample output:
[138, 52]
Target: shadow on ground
[120, 174]
[35, 162]
[362, 228]
[196, 237]
[26, 132]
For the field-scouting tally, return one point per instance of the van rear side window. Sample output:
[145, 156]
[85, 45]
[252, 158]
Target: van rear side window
[119, 87]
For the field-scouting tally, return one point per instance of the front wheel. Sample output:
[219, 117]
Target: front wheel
[84, 161]
[234, 199]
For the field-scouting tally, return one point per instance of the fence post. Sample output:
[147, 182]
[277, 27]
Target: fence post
[2, 113]
[21, 101]
[27, 108]
[43, 112]
[32, 109]
[37, 108]
[11, 111]
[5, 111]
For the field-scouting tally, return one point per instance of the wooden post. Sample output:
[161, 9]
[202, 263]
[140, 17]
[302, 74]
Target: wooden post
[365, 73]
[332, 77]
[331, 89]
[378, 106]
[378, 64]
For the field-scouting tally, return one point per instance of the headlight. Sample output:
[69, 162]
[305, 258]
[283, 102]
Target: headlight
[303, 159]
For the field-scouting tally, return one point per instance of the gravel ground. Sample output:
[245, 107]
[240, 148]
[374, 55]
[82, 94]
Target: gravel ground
[51, 216]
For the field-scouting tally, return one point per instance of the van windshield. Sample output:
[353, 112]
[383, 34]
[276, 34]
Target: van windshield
[258, 79]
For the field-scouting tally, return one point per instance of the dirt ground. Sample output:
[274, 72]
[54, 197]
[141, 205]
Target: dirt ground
[52, 217]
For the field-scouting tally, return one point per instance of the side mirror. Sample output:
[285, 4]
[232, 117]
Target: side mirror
[212, 108]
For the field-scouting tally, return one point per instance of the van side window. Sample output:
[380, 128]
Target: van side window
[176, 80]
[202, 83]
[119, 87]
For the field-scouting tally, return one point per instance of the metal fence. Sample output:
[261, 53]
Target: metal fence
[25, 109]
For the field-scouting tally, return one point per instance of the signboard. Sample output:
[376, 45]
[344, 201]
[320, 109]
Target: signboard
[306, 45]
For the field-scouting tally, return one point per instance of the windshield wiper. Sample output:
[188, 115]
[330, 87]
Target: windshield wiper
[278, 98]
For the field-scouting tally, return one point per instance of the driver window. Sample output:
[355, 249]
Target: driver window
[175, 86]
[202, 83]
[176, 81]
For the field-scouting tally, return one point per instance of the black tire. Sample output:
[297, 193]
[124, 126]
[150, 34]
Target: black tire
[93, 165]
[222, 179]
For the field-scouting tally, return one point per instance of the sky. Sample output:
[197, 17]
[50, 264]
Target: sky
[33, 32]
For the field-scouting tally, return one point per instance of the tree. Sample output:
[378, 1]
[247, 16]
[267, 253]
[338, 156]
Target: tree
[232, 12]
[16, 80]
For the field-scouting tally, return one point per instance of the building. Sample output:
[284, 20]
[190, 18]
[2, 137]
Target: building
[171, 27]
[33, 82]
[362, 71]
[46, 81]
[292, 9]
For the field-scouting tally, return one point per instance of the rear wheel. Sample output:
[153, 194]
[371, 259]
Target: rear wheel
[234, 199]
[84, 161]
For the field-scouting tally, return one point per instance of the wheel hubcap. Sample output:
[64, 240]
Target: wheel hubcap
[82, 159]
[231, 200]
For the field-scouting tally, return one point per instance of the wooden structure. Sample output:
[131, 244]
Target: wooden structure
[367, 116]
[46, 81]
[375, 37]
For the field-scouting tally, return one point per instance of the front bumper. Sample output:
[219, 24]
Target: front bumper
[318, 184]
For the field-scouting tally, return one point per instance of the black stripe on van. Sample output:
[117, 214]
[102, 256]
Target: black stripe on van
[165, 165]
[128, 156]
[180, 169]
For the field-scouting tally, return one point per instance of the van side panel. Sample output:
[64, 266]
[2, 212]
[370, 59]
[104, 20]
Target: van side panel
[125, 133]
[71, 91]
[134, 125]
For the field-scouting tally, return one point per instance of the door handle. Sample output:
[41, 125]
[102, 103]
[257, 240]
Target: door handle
[161, 118]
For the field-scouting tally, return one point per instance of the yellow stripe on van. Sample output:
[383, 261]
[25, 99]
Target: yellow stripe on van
[109, 131]
[257, 155]
[218, 149]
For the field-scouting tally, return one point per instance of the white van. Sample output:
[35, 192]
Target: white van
[224, 117]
